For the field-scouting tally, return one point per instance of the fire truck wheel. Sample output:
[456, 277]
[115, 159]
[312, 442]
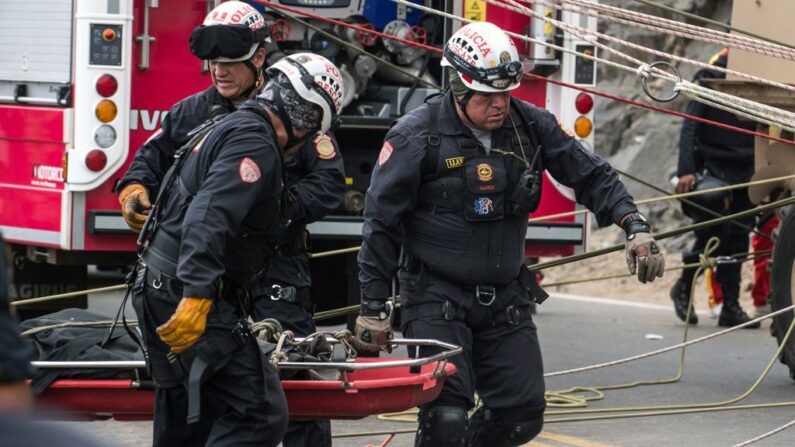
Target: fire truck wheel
[781, 282]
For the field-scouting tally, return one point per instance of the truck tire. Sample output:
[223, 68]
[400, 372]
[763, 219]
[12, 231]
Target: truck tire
[781, 282]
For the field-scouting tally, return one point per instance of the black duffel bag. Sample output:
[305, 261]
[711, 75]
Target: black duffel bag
[56, 340]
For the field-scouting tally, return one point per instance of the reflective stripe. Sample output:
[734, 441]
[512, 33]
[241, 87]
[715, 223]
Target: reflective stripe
[555, 234]
[16, 234]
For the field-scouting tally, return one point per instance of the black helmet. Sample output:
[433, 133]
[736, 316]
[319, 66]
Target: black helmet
[719, 201]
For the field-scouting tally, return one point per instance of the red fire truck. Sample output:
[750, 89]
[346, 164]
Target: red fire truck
[84, 83]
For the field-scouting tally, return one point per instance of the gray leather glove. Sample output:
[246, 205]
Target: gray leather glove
[644, 257]
[374, 327]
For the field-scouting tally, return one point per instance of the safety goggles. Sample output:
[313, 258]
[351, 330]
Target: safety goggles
[225, 41]
[499, 77]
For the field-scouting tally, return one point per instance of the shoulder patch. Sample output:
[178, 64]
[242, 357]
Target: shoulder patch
[155, 134]
[386, 152]
[565, 129]
[324, 147]
[249, 171]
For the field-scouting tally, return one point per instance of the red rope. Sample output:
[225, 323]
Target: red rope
[534, 76]
[661, 109]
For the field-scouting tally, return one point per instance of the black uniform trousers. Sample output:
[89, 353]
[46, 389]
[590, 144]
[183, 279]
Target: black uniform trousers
[733, 240]
[293, 317]
[501, 357]
[242, 403]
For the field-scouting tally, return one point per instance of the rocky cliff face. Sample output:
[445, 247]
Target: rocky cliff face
[640, 141]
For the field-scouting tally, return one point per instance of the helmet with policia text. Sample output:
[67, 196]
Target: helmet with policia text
[716, 201]
[484, 57]
[315, 79]
[232, 32]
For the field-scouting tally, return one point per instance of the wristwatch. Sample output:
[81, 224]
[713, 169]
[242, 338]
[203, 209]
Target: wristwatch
[635, 223]
[381, 309]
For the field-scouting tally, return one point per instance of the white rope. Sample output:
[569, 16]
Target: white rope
[584, 33]
[680, 29]
[768, 115]
[752, 110]
[766, 435]
[669, 348]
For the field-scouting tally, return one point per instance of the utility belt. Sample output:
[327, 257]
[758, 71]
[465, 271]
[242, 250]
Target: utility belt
[290, 294]
[162, 254]
[482, 295]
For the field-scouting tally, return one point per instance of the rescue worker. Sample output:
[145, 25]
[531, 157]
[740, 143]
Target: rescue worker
[16, 398]
[314, 175]
[237, 74]
[447, 210]
[727, 156]
[214, 227]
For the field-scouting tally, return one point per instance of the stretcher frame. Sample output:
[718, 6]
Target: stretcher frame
[366, 386]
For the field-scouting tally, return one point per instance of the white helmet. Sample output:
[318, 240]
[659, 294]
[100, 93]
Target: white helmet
[223, 37]
[315, 79]
[484, 57]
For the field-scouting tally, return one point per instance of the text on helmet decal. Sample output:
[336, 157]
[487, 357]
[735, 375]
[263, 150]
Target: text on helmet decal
[244, 14]
[476, 39]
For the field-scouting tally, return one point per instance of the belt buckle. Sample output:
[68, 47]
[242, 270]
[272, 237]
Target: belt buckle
[276, 292]
[487, 292]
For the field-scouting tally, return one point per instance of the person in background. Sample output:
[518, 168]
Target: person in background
[727, 156]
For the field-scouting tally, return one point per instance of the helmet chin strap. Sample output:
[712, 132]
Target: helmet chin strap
[462, 103]
[255, 86]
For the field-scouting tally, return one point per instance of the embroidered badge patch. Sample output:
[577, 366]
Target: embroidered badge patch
[455, 162]
[569, 133]
[324, 147]
[386, 152]
[483, 206]
[249, 171]
[485, 173]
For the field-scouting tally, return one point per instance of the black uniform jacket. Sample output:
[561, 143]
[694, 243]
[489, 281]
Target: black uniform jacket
[315, 175]
[729, 151]
[225, 206]
[391, 203]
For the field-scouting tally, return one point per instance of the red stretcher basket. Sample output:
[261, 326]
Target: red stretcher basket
[367, 386]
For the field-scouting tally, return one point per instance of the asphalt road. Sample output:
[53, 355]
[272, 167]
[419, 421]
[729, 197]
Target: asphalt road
[581, 331]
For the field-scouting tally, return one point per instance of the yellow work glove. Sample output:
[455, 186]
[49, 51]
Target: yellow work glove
[187, 324]
[135, 205]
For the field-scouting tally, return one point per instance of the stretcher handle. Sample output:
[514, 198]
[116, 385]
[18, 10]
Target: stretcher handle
[449, 351]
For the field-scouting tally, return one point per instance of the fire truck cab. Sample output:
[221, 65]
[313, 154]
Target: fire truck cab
[84, 83]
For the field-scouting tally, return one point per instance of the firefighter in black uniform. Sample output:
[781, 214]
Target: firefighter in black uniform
[728, 156]
[314, 175]
[447, 210]
[213, 227]
[16, 398]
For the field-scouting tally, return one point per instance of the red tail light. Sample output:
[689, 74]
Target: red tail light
[107, 85]
[583, 103]
[96, 160]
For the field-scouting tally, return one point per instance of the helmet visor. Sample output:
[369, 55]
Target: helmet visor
[225, 41]
[499, 77]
